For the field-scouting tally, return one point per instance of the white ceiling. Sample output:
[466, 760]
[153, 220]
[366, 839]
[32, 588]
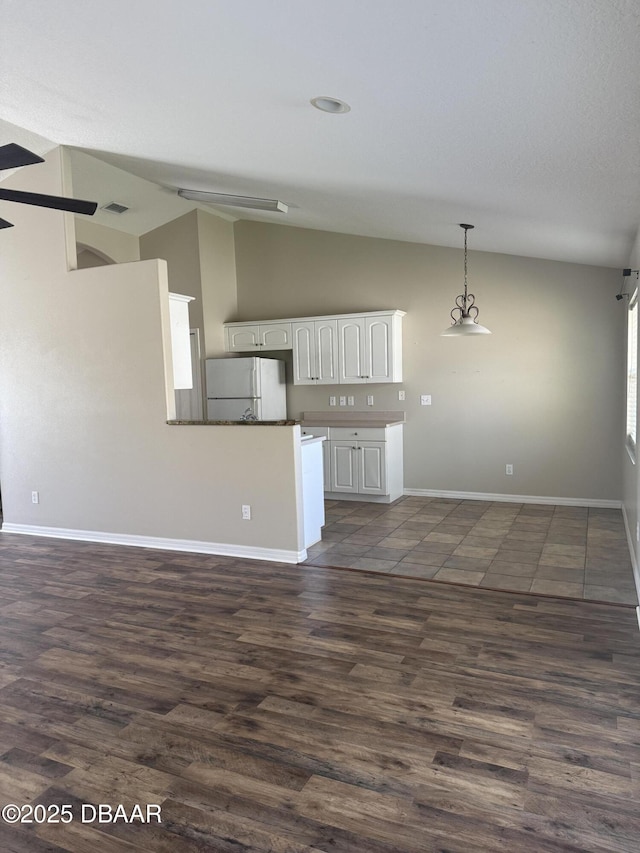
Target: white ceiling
[521, 117]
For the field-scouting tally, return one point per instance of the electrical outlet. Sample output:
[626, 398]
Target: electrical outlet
[35, 497]
[369, 399]
[508, 469]
[332, 401]
[425, 399]
[343, 401]
[351, 401]
[246, 512]
[401, 395]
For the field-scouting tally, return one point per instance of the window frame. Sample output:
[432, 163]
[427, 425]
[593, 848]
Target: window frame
[631, 393]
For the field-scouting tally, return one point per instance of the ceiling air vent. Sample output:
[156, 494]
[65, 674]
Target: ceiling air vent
[114, 207]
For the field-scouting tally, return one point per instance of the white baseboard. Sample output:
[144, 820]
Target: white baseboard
[190, 545]
[632, 554]
[519, 499]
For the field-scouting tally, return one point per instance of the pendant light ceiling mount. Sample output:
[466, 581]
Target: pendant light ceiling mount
[465, 313]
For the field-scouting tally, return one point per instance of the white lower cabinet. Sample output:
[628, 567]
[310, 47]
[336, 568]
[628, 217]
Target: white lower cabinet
[312, 491]
[326, 462]
[359, 467]
[362, 464]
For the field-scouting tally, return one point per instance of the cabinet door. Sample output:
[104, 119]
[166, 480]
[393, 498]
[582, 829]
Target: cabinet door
[304, 353]
[275, 336]
[243, 338]
[351, 337]
[372, 464]
[326, 347]
[344, 466]
[378, 349]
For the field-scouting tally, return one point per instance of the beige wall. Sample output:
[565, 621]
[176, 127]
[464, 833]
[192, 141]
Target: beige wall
[199, 250]
[116, 246]
[218, 276]
[178, 244]
[544, 392]
[83, 406]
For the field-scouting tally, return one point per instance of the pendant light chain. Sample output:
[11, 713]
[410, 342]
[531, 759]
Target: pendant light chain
[466, 228]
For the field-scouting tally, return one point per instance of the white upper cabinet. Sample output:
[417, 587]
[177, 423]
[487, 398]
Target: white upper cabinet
[249, 337]
[346, 349]
[371, 348]
[180, 340]
[315, 352]
[351, 337]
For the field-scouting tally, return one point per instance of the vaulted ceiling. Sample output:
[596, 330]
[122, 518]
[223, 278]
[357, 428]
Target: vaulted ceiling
[521, 117]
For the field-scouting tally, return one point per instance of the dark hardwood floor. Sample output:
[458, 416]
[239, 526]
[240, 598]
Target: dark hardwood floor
[269, 707]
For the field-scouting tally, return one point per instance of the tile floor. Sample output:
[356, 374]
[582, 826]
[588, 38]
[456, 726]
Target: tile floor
[577, 552]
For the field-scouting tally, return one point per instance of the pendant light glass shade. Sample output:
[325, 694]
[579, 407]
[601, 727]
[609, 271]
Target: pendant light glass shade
[465, 326]
[465, 313]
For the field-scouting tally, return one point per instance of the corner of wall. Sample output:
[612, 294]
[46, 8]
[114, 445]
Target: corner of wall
[69, 218]
[216, 243]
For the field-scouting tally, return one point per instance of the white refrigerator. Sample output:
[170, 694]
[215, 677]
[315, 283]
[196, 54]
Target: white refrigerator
[245, 389]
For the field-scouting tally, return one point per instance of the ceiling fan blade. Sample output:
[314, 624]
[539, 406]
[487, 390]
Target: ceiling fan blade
[71, 205]
[5, 224]
[12, 156]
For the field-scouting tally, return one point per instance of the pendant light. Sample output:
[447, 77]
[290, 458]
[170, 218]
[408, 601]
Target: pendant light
[465, 313]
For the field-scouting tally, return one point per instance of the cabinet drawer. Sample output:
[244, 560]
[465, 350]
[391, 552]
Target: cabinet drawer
[358, 434]
[316, 432]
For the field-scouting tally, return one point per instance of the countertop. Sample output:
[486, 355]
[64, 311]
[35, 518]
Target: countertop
[233, 423]
[352, 419]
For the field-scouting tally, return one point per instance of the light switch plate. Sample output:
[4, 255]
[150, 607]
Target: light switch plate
[369, 399]
[332, 401]
[351, 401]
[425, 399]
[343, 401]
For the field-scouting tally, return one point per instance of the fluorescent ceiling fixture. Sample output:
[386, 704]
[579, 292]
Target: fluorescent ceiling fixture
[330, 105]
[235, 200]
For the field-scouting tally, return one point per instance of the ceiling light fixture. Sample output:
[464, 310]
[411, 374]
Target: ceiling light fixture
[465, 313]
[330, 105]
[235, 200]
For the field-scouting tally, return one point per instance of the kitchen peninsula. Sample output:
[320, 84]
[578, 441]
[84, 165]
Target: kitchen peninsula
[233, 423]
[308, 463]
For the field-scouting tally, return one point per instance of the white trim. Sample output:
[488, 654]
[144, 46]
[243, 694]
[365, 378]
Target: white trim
[520, 499]
[631, 450]
[632, 554]
[193, 545]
